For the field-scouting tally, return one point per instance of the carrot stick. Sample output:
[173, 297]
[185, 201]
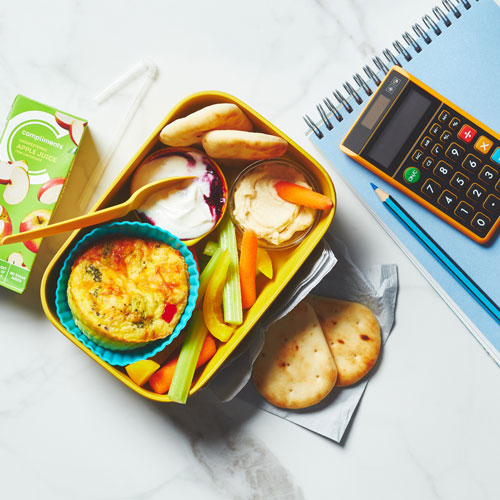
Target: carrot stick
[161, 380]
[300, 195]
[248, 268]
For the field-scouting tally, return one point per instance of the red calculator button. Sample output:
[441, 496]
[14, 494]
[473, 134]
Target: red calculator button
[467, 133]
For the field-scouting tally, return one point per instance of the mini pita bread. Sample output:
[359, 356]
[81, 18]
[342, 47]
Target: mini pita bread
[243, 145]
[295, 368]
[190, 129]
[352, 334]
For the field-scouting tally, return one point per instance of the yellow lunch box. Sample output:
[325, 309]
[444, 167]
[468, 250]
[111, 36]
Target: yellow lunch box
[285, 262]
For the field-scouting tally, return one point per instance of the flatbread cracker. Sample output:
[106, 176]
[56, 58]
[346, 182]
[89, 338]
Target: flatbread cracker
[243, 145]
[190, 129]
[295, 368]
[352, 334]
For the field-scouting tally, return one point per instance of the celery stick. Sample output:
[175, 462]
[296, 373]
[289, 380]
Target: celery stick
[210, 248]
[207, 274]
[231, 297]
[188, 357]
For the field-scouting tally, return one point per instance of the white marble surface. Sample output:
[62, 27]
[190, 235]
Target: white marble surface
[427, 426]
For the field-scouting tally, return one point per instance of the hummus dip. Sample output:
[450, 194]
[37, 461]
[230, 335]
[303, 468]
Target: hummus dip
[257, 206]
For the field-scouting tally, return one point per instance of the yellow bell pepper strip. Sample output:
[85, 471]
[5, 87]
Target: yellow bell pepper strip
[141, 371]
[212, 303]
[188, 358]
[207, 274]
[210, 248]
[264, 263]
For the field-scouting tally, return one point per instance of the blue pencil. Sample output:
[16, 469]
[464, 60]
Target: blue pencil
[412, 225]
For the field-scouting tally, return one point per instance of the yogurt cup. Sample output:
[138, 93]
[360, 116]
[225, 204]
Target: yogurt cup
[193, 208]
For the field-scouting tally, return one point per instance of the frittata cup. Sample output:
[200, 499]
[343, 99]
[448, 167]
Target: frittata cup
[136, 230]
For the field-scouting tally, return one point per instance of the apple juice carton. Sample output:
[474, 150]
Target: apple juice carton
[37, 149]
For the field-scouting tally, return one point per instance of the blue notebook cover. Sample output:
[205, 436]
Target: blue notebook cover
[463, 64]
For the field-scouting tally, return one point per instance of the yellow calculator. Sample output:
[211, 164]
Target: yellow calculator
[433, 151]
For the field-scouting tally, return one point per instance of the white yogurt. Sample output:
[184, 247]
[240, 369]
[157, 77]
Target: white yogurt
[183, 211]
[192, 208]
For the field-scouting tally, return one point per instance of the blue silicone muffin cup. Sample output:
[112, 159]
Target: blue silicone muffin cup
[138, 230]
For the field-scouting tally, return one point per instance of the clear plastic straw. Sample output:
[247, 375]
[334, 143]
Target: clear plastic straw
[139, 69]
[151, 71]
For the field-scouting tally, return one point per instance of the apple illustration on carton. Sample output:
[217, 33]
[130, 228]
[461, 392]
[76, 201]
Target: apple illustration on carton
[75, 127]
[76, 130]
[63, 120]
[16, 181]
[16, 258]
[34, 220]
[49, 191]
[5, 223]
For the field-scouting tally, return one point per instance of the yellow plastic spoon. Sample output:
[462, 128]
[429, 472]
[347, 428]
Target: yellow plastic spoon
[115, 212]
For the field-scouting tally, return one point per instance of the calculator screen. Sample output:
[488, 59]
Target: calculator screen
[380, 103]
[396, 131]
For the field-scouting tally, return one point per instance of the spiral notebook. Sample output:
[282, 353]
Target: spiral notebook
[454, 51]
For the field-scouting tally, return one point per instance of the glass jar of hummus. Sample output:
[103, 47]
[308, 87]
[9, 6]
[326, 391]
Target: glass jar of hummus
[255, 204]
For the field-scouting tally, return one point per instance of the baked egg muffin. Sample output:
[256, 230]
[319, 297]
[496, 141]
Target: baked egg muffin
[125, 292]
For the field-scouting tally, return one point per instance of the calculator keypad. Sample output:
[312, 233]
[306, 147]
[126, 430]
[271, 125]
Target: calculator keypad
[488, 175]
[455, 166]
[467, 133]
[455, 152]
[445, 137]
[454, 123]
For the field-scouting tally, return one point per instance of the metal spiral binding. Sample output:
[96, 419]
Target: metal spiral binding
[420, 32]
[380, 65]
[441, 15]
[350, 90]
[333, 109]
[390, 57]
[324, 117]
[343, 101]
[399, 47]
[372, 76]
[431, 24]
[411, 41]
[313, 126]
[451, 7]
[361, 83]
